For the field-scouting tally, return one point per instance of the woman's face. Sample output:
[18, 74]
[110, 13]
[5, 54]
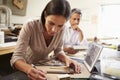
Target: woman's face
[54, 24]
[75, 19]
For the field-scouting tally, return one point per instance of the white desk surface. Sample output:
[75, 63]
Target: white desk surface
[110, 62]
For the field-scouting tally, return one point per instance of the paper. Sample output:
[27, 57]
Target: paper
[9, 44]
[57, 69]
[1, 37]
[63, 77]
[111, 67]
[79, 55]
[80, 47]
[115, 64]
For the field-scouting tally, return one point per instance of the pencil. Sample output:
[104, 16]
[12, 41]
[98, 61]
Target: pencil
[35, 68]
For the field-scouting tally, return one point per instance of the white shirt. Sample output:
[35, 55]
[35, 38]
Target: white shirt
[71, 37]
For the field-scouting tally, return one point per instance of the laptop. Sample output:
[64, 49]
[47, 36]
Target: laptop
[92, 56]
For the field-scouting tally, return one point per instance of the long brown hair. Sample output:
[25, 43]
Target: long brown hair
[56, 7]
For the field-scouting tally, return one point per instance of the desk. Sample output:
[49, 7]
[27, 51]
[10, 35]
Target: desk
[7, 48]
[6, 51]
[109, 63]
[105, 52]
[84, 75]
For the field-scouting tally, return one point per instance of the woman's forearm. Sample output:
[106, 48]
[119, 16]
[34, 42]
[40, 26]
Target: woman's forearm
[63, 57]
[22, 66]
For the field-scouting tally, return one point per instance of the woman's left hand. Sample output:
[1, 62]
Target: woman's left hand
[74, 64]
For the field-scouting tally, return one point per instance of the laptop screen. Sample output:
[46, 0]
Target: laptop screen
[92, 55]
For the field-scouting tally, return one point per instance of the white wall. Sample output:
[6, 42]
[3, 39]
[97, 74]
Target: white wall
[34, 9]
[90, 14]
[90, 11]
[89, 8]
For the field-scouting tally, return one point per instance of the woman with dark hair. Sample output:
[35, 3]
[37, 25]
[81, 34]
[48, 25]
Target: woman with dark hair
[37, 39]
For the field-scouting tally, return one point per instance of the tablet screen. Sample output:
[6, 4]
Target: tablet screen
[92, 55]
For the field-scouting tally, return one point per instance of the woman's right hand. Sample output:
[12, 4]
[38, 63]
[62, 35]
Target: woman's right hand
[36, 74]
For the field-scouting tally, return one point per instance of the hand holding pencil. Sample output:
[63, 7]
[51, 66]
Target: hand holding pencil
[36, 74]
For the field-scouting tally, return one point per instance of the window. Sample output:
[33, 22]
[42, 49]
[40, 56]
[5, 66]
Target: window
[109, 21]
